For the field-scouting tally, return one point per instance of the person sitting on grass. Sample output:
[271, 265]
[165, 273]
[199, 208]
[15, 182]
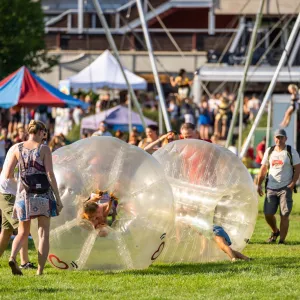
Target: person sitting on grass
[98, 207]
[223, 241]
[293, 90]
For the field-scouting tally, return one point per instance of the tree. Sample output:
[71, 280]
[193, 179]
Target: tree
[22, 37]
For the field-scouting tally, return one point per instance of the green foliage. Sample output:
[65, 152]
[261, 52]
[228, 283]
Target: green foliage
[273, 274]
[22, 37]
[74, 134]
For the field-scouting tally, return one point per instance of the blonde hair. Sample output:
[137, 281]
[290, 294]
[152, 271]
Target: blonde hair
[35, 126]
[293, 87]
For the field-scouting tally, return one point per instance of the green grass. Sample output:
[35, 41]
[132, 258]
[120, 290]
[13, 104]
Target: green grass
[273, 274]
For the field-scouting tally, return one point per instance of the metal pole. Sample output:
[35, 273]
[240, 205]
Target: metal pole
[129, 113]
[295, 129]
[247, 65]
[80, 16]
[160, 120]
[196, 89]
[272, 84]
[153, 65]
[241, 123]
[268, 124]
[294, 52]
[114, 47]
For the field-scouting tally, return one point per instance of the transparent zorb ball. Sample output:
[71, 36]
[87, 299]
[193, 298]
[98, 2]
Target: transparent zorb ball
[145, 211]
[211, 186]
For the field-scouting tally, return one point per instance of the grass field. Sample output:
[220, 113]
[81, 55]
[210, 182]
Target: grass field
[273, 274]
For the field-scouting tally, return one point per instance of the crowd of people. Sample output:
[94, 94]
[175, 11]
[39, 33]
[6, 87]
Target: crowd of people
[27, 140]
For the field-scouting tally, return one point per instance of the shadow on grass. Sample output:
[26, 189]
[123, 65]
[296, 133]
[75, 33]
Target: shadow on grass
[287, 243]
[36, 290]
[254, 267]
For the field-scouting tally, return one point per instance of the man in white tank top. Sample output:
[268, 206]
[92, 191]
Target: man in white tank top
[8, 189]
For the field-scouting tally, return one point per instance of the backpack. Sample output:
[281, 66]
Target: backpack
[289, 153]
[33, 183]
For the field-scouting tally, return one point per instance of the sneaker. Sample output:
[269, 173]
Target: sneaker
[281, 242]
[273, 237]
[28, 265]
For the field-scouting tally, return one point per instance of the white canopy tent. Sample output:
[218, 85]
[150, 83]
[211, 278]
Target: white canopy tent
[105, 72]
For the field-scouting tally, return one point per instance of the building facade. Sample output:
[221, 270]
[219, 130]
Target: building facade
[213, 30]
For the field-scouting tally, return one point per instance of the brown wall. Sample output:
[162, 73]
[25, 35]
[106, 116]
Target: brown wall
[52, 40]
[184, 18]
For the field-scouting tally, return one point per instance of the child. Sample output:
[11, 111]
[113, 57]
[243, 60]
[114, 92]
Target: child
[98, 207]
[223, 241]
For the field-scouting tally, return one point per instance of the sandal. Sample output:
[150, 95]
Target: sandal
[14, 267]
[273, 237]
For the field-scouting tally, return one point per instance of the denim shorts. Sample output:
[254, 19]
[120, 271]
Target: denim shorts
[219, 231]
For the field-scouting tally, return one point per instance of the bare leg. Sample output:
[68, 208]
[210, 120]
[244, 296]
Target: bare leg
[224, 247]
[201, 132]
[4, 239]
[239, 255]
[10, 128]
[21, 238]
[206, 129]
[284, 227]
[287, 117]
[224, 128]
[217, 132]
[271, 220]
[24, 253]
[43, 231]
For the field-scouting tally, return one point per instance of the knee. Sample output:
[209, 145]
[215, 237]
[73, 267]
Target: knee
[285, 218]
[7, 232]
[269, 216]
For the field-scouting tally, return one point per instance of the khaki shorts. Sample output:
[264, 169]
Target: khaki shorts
[7, 202]
[282, 198]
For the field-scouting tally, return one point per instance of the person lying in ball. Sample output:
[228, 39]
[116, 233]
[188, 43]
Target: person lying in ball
[98, 207]
[223, 241]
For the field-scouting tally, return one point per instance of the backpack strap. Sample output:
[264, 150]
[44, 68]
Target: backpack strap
[21, 158]
[267, 176]
[290, 155]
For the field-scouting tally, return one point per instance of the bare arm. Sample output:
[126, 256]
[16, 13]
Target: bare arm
[8, 170]
[51, 177]
[261, 176]
[153, 144]
[173, 81]
[295, 177]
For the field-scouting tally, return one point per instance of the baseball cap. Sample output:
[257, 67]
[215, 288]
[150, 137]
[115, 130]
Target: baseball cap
[280, 132]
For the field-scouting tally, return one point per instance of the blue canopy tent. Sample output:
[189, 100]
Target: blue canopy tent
[116, 118]
[25, 88]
